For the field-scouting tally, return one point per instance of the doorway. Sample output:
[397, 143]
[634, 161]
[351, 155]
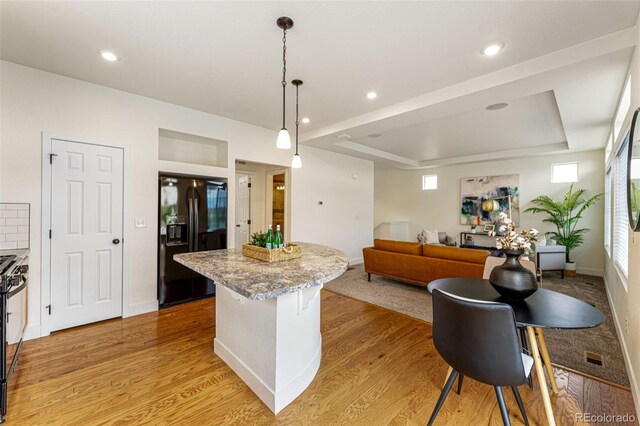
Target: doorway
[83, 207]
[243, 208]
[278, 203]
[260, 199]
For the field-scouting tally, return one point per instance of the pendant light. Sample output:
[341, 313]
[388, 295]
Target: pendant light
[284, 140]
[296, 163]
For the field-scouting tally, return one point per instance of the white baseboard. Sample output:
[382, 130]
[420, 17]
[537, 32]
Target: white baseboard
[591, 271]
[275, 401]
[356, 261]
[32, 332]
[35, 331]
[635, 389]
[140, 308]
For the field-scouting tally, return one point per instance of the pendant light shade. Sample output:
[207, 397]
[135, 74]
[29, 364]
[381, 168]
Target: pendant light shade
[296, 162]
[284, 140]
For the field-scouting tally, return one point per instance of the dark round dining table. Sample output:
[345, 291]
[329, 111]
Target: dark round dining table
[543, 309]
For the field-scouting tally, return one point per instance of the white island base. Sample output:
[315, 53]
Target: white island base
[274, 345]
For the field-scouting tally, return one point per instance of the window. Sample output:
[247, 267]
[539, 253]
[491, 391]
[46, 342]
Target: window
[216, 207]
[567, 172]
[429, 182]
[620, 221]
[623, 108]
[607, 211]
[607, 149]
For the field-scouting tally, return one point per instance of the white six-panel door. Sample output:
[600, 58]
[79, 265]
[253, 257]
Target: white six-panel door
[86, 233]
[243, 209]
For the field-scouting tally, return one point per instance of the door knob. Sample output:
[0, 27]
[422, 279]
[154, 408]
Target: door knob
[116, 241]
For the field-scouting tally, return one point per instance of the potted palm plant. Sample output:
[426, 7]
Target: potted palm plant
[565, 215]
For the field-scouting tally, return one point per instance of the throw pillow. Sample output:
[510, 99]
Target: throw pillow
[442, 237]
[542, 241]
[432, 236]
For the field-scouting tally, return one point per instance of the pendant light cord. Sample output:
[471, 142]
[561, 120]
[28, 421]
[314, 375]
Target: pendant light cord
[284, 73]
[297, 123]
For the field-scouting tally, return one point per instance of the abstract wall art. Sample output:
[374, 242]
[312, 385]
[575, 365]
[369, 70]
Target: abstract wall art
[476, 190]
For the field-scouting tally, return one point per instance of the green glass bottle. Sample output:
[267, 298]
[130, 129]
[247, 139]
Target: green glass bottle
[279, 239]
[270, 238]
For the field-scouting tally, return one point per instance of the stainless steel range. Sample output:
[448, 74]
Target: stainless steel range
[14, 276]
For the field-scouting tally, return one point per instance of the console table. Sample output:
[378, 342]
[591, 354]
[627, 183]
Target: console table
[465, 233]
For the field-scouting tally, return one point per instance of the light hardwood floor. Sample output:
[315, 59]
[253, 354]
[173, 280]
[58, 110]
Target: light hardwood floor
[378, 368]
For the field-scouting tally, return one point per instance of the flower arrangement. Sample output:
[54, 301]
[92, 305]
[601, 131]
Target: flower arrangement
[510, 239]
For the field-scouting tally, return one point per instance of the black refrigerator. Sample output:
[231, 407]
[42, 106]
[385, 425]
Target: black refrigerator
[192, 216]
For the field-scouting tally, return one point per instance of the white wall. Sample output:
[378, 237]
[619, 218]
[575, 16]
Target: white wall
[345, 187]
[34, 101]
[624, 293]
[399, 197]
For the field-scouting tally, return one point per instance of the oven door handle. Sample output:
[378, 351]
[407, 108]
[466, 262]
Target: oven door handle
[17, 289]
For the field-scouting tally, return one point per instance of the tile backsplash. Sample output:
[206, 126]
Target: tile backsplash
[14, 225]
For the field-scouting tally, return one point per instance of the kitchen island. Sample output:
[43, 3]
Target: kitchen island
[268, 316]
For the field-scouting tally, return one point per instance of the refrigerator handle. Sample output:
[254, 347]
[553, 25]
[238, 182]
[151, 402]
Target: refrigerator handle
[190, 221]
[196, 224]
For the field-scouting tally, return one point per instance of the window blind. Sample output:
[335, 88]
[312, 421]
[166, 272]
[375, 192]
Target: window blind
[620, 222]
[607, 211]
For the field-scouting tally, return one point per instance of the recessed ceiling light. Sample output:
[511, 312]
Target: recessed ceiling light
[372, 95]
[108, 55]
[493, 49]
[306, 120]
[497, 106]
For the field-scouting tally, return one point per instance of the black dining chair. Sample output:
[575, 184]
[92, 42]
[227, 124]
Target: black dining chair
[479, 339]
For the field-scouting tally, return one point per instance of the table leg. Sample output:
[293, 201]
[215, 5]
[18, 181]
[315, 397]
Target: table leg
[537, 362]
[547, 361]
[449, 371]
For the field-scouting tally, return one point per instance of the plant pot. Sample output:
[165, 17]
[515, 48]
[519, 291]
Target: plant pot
[570, 269]
[512, 280]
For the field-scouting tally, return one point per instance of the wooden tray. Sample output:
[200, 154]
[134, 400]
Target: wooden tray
[292, 251]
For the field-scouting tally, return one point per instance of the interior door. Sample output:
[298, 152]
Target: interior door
[243, 209]
[86, 233]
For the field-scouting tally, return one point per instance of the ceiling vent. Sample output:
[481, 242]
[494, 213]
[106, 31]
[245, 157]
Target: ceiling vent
[497, 106]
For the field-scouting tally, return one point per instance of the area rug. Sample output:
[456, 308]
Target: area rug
[567, 348]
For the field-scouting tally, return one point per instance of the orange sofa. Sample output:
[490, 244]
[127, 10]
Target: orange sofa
[421, 263]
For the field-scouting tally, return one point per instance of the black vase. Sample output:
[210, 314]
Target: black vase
[512, 280]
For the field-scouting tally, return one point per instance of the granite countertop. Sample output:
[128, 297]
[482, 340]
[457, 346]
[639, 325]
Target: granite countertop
[258, 280]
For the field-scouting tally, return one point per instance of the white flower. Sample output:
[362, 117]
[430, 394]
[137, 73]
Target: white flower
[492, 233]
[534, 231]
[498, 245]
[502, 228]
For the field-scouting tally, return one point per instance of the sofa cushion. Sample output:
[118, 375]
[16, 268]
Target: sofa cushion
[455, 253]
[432, 236]
[442, 237]
[404, 247]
